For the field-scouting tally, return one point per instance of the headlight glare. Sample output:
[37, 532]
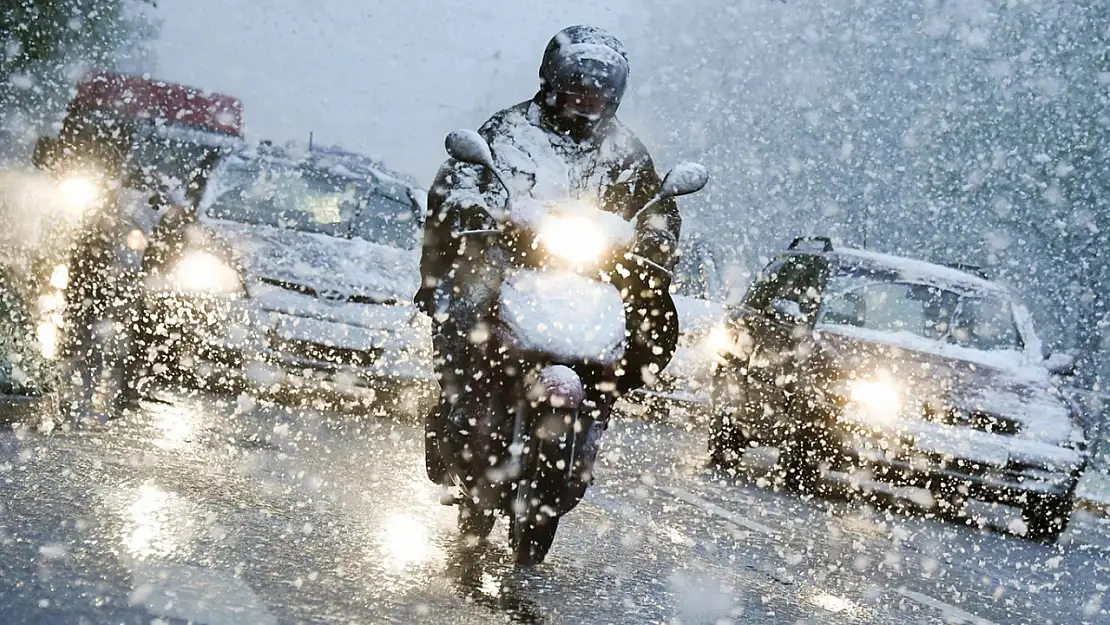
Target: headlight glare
[574, 239]
[79, 191]
[204, 272]
[720, 342]
[878, 398]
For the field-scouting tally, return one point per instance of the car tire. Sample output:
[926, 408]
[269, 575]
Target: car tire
[805, 450]
[1046, 516]
[727, 442]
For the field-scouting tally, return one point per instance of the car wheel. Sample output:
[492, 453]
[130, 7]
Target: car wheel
[1046, 516]
[808, 447]
[726, 438]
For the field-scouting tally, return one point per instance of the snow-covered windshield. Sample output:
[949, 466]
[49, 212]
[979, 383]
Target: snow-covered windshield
[157, 162]
[886, 304]
[309, 200]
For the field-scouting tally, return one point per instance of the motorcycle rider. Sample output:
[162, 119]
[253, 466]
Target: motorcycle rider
[566, 139]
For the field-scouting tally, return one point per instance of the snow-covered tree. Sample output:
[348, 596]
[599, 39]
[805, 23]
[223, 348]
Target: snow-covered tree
[46, 45]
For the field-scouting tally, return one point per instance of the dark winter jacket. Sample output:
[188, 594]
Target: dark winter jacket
[614, 168]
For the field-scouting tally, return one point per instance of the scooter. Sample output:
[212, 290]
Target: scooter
[559, 319]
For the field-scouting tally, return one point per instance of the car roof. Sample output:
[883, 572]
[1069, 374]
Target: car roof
[913, 270]
[382, 182]
[142, 97]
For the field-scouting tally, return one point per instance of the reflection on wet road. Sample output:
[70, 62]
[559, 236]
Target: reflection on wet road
[222, 511]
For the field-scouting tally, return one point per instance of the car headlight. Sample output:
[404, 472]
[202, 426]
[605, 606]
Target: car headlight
[879, 399]
[79, 191]
[574, 239]
[204, 272]
[719, 343]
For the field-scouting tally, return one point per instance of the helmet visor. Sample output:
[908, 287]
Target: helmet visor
[585, 103]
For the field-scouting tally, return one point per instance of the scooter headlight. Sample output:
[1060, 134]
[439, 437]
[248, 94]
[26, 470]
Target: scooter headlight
[574, 239]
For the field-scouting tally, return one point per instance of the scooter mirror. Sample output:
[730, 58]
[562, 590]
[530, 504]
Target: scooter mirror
[684, 179]
[469, 147]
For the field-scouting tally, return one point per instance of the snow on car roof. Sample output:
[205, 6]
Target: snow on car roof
[915, 270]
[341, 163]
[140, 96]
[347, 161]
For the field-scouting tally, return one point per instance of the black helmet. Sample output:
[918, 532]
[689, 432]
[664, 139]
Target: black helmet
[583, 77]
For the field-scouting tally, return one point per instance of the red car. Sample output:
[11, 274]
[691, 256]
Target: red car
[150, 132]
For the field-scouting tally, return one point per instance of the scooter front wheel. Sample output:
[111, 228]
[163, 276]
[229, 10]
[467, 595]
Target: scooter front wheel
[531, 538]
[475, 522]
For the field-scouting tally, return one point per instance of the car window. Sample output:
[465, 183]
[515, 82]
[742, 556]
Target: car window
[884, 303]
[889, 306]
[985, 323]
[795, 278]
[284, 196]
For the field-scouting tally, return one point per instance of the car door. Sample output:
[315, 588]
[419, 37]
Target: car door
[778, 316]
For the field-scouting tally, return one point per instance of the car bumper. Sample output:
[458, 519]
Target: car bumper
[988, 466]
[270, 347]
[907, 464]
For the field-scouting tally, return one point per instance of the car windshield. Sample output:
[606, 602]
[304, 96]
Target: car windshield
[312, 200]
[884, 303]
[387, 216]
[160, 162]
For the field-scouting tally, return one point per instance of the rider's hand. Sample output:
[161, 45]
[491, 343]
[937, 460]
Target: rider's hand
[657, 246]
[471, 216]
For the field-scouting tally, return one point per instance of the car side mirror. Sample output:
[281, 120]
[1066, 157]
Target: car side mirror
[788, 310]
[1060, 363]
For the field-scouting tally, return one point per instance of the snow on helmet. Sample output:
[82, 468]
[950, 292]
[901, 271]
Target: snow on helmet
[583, 75]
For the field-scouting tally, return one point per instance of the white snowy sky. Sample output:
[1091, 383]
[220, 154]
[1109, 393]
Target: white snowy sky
[388, 79]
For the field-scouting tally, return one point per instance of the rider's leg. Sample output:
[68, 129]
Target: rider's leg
[456, 359]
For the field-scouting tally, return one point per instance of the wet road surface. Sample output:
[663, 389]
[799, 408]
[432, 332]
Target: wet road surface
[221, 510]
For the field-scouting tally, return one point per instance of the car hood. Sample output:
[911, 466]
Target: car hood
[992, 385]
[312, 263]
[697, 316]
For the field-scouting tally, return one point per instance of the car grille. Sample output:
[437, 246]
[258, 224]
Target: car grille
[326, 354]
[974, 419]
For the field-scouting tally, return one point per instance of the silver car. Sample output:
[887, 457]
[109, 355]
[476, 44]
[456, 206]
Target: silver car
[289, 273]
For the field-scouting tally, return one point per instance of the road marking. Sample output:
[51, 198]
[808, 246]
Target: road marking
[716, 510]
[948, 610]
